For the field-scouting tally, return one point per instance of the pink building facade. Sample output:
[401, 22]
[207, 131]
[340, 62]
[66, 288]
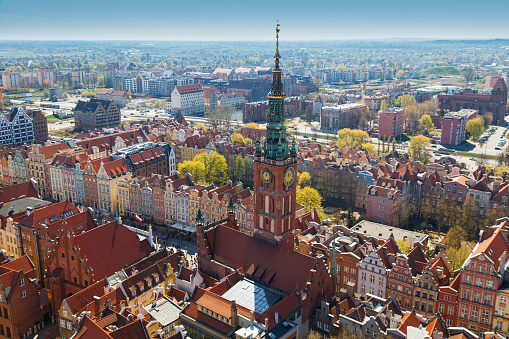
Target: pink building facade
[379, 204]
[391, 122]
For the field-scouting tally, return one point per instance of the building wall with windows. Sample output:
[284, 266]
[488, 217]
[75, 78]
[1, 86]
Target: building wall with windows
[501, 315]
[372, 276]
[477, 293]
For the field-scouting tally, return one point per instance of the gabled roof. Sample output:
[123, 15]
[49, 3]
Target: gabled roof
[14, 192]
[22, 263]
[437, 324]
[80, 299]
[46, 214]
[481, 186]
[136, 329]
[110, 247]
[409, 319]
[494, 246]
[238, 250]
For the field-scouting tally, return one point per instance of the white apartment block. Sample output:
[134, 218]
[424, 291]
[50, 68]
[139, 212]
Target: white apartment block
[189, 99]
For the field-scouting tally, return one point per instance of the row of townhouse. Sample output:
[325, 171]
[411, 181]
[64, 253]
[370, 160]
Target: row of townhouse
[176, 199]
[477, 297]
[379, 270]
[87, 172]
[380, 290]
[379, 184]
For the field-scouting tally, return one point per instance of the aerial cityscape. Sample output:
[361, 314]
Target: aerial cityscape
[254, 180]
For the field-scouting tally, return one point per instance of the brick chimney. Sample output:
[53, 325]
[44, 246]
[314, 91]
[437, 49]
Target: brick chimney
[233, 317]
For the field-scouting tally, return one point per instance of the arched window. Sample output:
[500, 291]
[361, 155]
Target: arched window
[260, 223]
[272, 226]
[266, 204]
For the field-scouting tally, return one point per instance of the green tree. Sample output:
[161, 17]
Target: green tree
[488, 119]
[18, 69]
[426, 124]
[400, 75]
[65, 96]
[475, 127]
[216, 169]
[200, 125]
[383, 105]
[240, 168]
[100, 80]
[470, 218]
[304, 179]
[309, 198]
[405, 100]
[418, 146]
[45, 93]
[195, 168]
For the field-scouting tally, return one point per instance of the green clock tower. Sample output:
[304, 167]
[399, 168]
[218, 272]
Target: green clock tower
[275, 170]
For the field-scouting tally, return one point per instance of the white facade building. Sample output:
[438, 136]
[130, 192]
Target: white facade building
[189, 99]
[372, 275]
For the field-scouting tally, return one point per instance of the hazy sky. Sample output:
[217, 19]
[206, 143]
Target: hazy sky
[252, 20]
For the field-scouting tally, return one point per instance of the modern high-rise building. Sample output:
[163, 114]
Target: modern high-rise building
[275, 170]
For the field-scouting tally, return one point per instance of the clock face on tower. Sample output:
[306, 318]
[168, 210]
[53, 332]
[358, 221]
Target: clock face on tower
[289, 176]
[266, 176]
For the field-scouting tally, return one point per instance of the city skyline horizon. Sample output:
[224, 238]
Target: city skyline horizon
[62, 20]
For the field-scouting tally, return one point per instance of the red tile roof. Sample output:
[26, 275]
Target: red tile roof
[437, 324]
[80, 299]
[236, 249]
[43, 214]
[192, 311]
[14, 192]
[90, 330]
[133, 330]
[409, 319]
[284, 307]
[189, 88]
[21, 264]
[110, 247]
[494, 246]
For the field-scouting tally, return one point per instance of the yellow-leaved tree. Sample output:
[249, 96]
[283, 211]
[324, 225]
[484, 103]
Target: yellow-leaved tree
[405, 100]
[216, 168]
[237, 138]
[310, 199]
[352, 137]
[475, 127]
[418, 147]
[195, 168]
[252, 125]
[426, 125]
[304, 179]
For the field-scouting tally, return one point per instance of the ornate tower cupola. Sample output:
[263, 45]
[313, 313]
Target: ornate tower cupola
[276, 145]
[275, 170]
